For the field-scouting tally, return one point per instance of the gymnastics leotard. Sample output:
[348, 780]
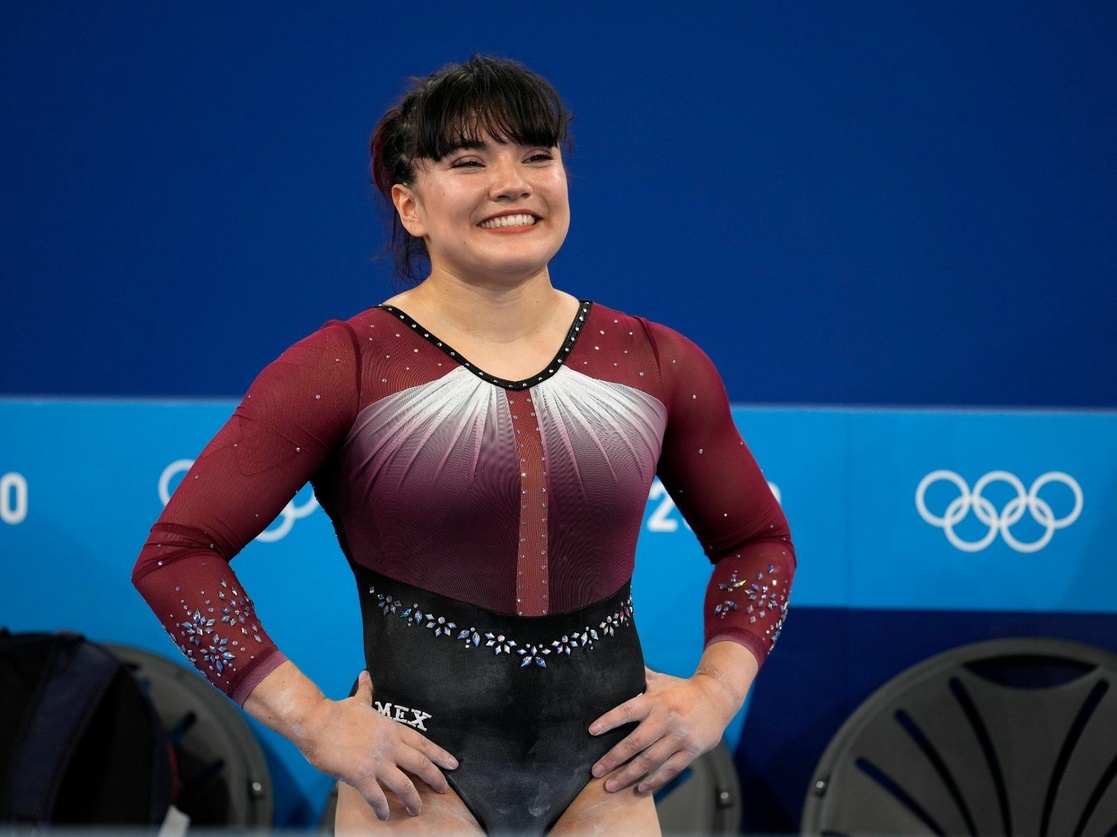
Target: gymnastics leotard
[491, 526]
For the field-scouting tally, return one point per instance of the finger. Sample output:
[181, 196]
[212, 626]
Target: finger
[632, 710]
[401, 785]
[375, 798]
[364, 688]
[642, 765]
[428, 748]
[628, 747]
[417, 764]
[666, 772]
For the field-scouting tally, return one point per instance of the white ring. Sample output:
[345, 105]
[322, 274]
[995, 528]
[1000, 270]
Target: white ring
[984, 510]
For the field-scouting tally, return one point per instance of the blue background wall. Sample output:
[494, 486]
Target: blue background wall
[866, 202]
[898, 205]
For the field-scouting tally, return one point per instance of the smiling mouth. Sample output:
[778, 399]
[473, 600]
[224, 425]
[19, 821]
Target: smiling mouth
[524, 220]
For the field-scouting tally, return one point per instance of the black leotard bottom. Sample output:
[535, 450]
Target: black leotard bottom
[510, 697]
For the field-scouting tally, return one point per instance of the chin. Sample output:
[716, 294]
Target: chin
[527, 265]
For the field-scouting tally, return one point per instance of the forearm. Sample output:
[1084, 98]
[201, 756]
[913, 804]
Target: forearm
[728, 669]
[288, 702]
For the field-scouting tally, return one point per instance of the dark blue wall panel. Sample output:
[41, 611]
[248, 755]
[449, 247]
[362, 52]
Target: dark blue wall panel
[843, 203]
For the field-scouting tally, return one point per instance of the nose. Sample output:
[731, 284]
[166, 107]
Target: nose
[509, 181]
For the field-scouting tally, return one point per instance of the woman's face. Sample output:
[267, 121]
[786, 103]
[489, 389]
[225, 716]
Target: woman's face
[490, 211]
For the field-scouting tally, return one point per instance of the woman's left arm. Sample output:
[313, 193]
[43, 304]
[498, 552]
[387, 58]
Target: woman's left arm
[722, 493]
[678, 719]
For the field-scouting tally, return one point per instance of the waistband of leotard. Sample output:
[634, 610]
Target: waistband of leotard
[526, 639]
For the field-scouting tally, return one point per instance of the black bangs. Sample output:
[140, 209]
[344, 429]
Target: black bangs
[489, 97]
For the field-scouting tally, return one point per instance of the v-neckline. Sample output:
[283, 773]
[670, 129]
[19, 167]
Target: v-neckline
[551, 368]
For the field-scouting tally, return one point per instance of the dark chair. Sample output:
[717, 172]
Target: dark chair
[703, 799]
[223, 773]
[1012, 736]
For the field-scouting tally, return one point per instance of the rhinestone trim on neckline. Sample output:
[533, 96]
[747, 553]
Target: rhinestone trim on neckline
[556, 363]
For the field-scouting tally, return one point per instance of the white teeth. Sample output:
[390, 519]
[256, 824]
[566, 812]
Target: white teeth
[509, 221]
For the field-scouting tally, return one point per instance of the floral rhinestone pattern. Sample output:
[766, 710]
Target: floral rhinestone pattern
[526, 653]
[199, 637]
[760, 599]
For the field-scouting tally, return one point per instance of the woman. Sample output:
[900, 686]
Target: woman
[484, 445]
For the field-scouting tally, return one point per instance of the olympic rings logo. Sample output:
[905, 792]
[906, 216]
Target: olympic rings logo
[291, 512]
[999, 523]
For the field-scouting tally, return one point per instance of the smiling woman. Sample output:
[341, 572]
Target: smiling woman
[484, 444]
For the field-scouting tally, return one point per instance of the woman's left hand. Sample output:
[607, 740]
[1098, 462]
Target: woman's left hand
[678, 719]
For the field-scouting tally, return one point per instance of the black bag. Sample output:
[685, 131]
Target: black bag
[80, 742]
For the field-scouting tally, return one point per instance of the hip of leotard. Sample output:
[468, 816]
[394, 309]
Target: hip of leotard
[444, 666]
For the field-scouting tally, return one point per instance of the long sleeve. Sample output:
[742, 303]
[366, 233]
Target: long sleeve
[720, 490]
[283, 431]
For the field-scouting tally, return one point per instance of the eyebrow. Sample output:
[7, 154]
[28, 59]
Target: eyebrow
[480, 144]
[462, 144]
[468, 144]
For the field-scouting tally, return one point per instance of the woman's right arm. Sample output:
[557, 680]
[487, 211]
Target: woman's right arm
[293, 417]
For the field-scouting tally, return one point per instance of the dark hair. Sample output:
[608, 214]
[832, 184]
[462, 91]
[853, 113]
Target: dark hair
[454, 107]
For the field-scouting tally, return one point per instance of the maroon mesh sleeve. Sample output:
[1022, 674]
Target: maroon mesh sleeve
[278, 437]
[720, 490]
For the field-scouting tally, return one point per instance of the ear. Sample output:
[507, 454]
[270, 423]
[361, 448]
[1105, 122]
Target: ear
[408, 205]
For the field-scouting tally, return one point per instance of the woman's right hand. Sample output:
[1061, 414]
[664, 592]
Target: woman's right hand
[351, 741]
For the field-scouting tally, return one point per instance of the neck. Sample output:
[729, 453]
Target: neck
[491, 312]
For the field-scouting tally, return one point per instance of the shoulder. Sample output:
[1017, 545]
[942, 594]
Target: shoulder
[668, 344]
[345, 336]
[332, 351]
[316, 381]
